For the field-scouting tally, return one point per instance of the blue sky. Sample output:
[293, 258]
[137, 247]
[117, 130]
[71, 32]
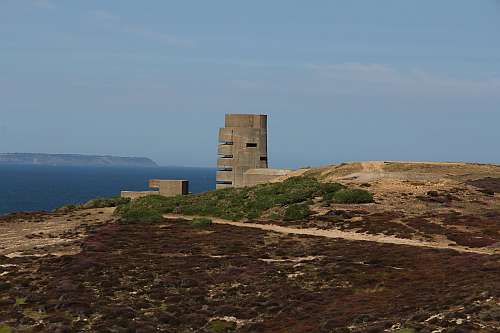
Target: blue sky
[340, 80]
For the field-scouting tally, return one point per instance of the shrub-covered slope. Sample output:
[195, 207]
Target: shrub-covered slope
[290, 198]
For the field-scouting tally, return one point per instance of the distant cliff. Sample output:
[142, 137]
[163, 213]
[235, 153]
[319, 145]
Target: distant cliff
[74, 160]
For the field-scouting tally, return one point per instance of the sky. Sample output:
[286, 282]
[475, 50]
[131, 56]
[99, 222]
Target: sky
[341, 80]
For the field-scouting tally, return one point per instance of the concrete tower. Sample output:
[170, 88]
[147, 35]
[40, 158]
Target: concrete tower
[242, 146]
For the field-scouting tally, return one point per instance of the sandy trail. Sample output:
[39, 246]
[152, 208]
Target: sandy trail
[339, 234]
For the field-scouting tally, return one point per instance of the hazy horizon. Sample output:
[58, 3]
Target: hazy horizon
[214, 166]
[340, 80]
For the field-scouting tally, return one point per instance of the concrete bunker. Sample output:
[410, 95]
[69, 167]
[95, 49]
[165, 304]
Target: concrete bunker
[165, 187]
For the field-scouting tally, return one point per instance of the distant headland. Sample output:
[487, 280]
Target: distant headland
[74, 160]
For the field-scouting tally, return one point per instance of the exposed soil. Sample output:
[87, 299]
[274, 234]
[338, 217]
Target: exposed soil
[43, 233]
[172, 277]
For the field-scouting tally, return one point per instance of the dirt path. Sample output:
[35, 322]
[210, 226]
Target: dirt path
[341, 234]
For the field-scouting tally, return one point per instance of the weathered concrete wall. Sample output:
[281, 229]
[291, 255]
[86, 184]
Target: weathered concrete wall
[261, 176]
[242, 146]
[167, 188]
[137, 194]
[170, 188]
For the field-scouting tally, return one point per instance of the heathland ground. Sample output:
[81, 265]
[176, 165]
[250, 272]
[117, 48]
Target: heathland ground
[358, 247]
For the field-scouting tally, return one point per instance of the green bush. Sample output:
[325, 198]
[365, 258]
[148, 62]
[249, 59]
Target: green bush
[67, 208]
[201, 222]
[297, 212]
[141, 214]
[95, 203]
[105, 202]
[353, 196]
[329, 189]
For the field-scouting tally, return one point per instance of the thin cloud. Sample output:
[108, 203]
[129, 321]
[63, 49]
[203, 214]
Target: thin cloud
[160, 37]
[141, 31]
[45, 4]
[358, 72]
[105, 16]
[357, 78]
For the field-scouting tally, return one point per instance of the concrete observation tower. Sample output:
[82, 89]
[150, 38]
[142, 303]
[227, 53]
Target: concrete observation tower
[242, 146]
[242, 161]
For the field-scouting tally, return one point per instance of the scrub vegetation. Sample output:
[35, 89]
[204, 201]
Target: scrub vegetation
[352, 196]
[95, 203]
[293, 196]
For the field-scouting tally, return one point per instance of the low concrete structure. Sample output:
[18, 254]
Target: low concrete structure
[166, 187]
[170, 188]
[253, 177]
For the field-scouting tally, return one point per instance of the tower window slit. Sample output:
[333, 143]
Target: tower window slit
[224, 182]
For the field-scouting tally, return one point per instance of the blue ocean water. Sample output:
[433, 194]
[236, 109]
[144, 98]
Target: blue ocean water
[33, 188]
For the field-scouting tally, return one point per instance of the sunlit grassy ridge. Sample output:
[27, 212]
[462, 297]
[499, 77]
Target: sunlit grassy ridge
[293, 196]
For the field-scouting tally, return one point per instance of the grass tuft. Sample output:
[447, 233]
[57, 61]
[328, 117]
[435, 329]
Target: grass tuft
[141, 214]
[5, 329]
[20, 301]
[221, 326]
[201, 222]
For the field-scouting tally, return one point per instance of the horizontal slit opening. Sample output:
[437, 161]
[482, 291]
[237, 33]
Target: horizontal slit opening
[224, 182]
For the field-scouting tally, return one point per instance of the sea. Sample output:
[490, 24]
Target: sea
[44, 188]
